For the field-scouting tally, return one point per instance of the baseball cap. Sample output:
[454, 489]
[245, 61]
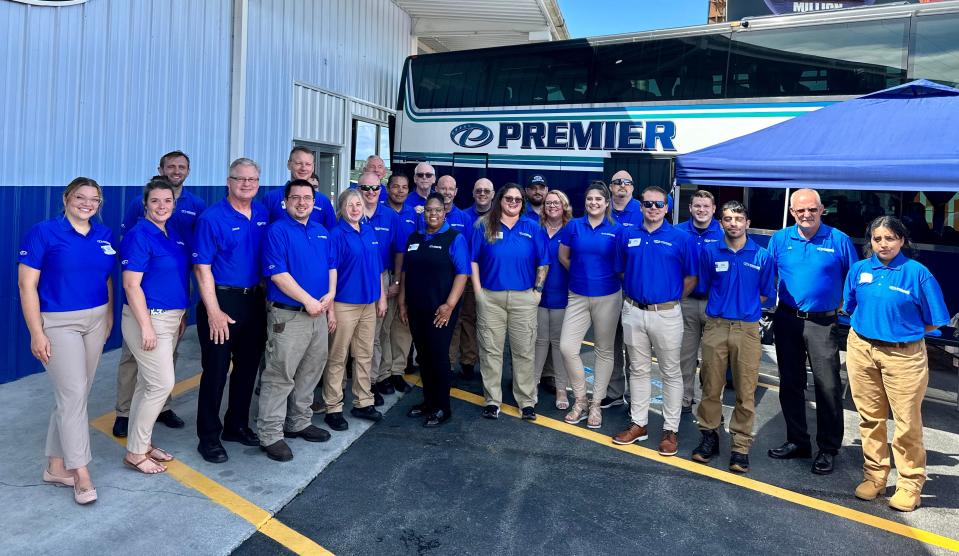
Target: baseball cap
[536, 179]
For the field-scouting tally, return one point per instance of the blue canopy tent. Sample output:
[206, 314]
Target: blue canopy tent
[903, 138]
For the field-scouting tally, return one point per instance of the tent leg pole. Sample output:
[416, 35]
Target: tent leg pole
[786, 208]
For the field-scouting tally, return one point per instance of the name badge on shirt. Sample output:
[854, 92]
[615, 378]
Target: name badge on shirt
[499, 235]
[635, 242]
[722, 266]
[414, 247]
[865, 278]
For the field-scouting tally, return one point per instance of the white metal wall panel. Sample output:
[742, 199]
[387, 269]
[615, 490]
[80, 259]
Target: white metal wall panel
[351, 47]
[318, 116]
[103, 88]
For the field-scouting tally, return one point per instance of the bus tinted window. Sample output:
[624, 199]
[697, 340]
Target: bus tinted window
[449, 81]
[937, 50]
[837, 59]
[668, 69]
[554, 76]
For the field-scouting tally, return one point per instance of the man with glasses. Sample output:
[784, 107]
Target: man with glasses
[424, 176]
[482, 201]
[812, 260]
[660, 269]
[705, 230]
[300, 291]
[301, 164]
[174, 166]
[536, 190]
[231, 317]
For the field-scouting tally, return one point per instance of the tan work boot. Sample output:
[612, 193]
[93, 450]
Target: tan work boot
[577, 413]
[869, 490]
[904, 500]
[595, 420]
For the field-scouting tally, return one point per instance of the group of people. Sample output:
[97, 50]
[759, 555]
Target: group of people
[309, 289]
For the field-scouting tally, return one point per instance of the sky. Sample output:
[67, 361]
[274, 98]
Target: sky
[589, 18]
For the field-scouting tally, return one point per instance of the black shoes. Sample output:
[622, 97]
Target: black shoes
[436, 419]
[120, 427]
[529, 414]
[788, 450]
[377, 398]
[244, 436]
[608, 402]
[708, 447]
[369, 413]
[384, 387]
[400, 384]
[212, 452]
[823, 464]
[548, 384]
[311, 433]
[738, 462]
[491, 412]
[278, 451]
[170, 419]
[416, 411]
[336, 421]
[467, 371]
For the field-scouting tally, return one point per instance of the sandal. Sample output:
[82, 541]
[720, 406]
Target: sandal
[159, 455]
[139, 466]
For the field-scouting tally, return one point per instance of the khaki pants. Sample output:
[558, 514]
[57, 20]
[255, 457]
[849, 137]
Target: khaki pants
[736, 343]
[296, 352]
[694, 319]
[381, 336]
[155, 376]
[127, 380]
[884, 378]
[463, 345]
[76, 342]
[355, 328]
[499, 313]
[603, 313]
[549, 328]
[662, 332]
[400, 342]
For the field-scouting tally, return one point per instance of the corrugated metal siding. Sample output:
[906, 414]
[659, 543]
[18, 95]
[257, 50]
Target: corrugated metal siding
[354, 48]
[315, 116]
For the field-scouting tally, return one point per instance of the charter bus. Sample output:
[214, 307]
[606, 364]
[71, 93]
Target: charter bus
[581, 109]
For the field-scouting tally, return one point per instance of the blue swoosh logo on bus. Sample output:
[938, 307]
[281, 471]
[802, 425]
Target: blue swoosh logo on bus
[471, 135]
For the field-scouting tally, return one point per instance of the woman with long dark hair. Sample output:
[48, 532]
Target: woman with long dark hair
[893, 302]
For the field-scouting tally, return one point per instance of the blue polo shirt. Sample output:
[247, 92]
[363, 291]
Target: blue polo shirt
[458, 251]
[73, 267]
[531, 214]
[456, 218]
[556, 286]
[631, 215]
[301, 250]
[231, 243]
[189, 207]
[812, 272]
[386, 223]
[712, 234]
[593, 266]
[164, 260]
[414, 200]
[473, 214]
[656, 264]
[406, 219]
[323, 211]
[511, 262]
[893, 302]
[736, 280]
[358, 263]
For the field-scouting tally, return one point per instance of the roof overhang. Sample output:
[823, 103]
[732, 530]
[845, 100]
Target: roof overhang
[445, 25]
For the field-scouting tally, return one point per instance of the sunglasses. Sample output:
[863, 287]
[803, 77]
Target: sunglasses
[621, 181]
[369, 188]
[424, 175]
[651, 204]
[513, 200]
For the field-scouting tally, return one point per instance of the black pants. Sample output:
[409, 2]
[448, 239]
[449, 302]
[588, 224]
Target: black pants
[816, 338]
[244, 349]
[433, 349]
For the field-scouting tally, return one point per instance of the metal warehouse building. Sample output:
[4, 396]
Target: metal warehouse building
[102, 88]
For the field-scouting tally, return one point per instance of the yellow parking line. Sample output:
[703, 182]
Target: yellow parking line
[189, 477]
[725, 476]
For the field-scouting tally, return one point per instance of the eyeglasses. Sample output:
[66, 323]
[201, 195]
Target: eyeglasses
[553, 204]
[369, 188]
[84, 200]
[244, 180]
[512, 200]
[651, 204]
[482, 192]
[621, 181]
[424, 174]
[813, 210]
[300, 198]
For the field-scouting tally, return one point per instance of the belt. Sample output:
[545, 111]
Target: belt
[701, 297]
[652, 306]
[803, 314]
[883, 343]
[286, 307]
[237, 289]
